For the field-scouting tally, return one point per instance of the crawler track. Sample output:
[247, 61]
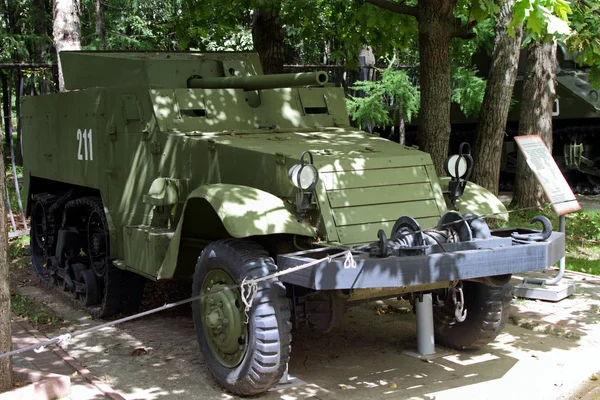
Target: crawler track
[73, 255]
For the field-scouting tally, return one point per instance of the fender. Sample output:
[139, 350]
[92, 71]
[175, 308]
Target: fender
[217, 211]
[479, 201]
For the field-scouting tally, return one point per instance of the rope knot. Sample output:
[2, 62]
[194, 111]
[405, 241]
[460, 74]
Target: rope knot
[349, 262]
[63, 339]
[248, 289]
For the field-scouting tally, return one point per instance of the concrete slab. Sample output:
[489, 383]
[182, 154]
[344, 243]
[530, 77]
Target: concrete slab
[553, 293]
[55, 367]
[38, 385]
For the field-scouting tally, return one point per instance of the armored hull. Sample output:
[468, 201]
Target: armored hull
[166, 166]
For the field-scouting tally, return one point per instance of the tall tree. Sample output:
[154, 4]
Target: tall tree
[536, 115]
[5, 331]
[268, 36]
[38, 15]
[100, 25]
[545, 21]
[437, 26]
[489, 135]
[66, 31]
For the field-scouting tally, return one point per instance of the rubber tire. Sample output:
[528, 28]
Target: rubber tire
[487, 307]
[88, 278]
[269, 327]
[123, 291]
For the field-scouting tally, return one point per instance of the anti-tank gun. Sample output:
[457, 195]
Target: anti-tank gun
[259, 82]
[191, 165]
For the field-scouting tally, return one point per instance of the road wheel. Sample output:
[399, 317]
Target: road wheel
[487, 312]
[87, 288]
[246, 354]
[41, 238]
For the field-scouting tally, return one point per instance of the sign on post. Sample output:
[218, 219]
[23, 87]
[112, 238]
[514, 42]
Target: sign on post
[555, 186]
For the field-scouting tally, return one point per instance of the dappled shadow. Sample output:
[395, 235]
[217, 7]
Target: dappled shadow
[227, 152]
[575, 318]
[363, 358]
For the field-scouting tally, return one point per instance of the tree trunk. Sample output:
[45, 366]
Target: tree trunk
[436, 27]
[401, 125]
[20, 87]
[5, 332]
[6, 105]
[66, 31]
[491, 129]
[100, 31]
[39, 16]
[536, 116]
[268, 35]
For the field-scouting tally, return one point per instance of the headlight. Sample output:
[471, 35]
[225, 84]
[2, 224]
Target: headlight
[304, 176]
[456, 163]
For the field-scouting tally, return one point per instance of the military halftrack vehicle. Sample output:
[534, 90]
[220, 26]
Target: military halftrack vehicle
[176, 165]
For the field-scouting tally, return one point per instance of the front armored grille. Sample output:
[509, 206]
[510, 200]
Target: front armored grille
[364, 201]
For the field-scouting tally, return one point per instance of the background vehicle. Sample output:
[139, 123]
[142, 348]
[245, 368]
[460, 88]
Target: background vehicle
[575, 123]
[173, 165]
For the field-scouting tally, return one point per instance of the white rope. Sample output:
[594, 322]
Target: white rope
[60, 340]
[249, 287]
[302, 266]
[249, 290]
[248, 293]
[349, 262]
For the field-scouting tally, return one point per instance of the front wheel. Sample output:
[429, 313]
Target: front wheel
[487, 312]
[246, 353]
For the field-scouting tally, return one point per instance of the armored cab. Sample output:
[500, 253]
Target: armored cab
[196, 165]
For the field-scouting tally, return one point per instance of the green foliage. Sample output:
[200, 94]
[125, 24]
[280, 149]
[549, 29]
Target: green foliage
[476, 10]
[370, 109]
[585, 21]
[335, 31]
[468, 90]
[18, 247]
[394, 92]
[37, 314]
[542, 19]
[19, 21]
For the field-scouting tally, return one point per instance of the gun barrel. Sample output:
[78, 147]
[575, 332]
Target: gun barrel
[258, 82]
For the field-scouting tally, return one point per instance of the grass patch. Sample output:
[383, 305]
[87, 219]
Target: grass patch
[10, 185]
[37, 314]
[582, 236]
[18, 248]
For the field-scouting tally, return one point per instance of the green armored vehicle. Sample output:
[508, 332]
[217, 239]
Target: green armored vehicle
[575, 122]
[173, 165]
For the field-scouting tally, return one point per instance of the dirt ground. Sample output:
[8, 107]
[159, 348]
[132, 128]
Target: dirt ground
[548, 351]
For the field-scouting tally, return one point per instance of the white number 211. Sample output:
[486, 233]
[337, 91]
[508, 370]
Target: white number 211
[85, 139]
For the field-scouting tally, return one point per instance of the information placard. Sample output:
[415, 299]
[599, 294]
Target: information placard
[548, 174]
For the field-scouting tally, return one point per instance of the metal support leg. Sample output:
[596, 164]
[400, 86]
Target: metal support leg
[425, 336]
[285, 378]
[287, 381]
[547, 289]
[561, 265]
